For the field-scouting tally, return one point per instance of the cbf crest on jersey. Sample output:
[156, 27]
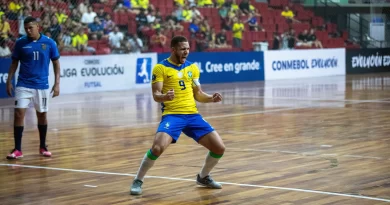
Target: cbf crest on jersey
[43, 46]
[189, 74]
[144, 69]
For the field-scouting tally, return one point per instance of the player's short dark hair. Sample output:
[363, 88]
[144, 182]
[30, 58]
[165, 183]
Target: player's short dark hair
[178, 39]
[29, 19]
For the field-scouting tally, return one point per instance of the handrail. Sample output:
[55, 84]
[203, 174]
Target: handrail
[364, 37]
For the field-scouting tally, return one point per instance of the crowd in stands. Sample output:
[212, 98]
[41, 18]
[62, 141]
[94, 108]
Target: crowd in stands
[84, 27]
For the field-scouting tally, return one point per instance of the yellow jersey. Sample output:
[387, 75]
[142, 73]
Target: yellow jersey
[181, 79]
[237, 30]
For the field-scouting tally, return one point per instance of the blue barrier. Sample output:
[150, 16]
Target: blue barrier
[227, 67]
[5, 63]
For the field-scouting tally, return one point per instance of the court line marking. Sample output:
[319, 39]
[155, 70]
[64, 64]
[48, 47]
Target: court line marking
[314, 154]
[313, 99]
[192, 180]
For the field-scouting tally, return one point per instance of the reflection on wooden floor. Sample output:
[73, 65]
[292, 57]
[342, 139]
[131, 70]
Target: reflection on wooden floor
[307, 141]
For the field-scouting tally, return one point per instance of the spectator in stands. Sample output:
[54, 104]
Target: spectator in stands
[88, 17]
[4, 49]
[14, 8]
[196, 13]
[61, 16]
[141, 4]
[62, 47]
[201, 41]
[45, 24]
[313, 38]
[75, 15]
[80, 42]
[96, 28]
[101, 14]
[289, 15]
[211, 38]
[252, 22]
[221, 40]
[55, 28]
[187, 14]
[151, 17]
[245, 7]
[22, 15]
[66, 38]
[136, 44]
[291, 39]
[303, 39]
[205, 3]
[238, 28]
[194, 27]
[83, 7]
[178, 13]
[204, 25]
[142, 23]
[179, 2]
[158, 16]
[69, 24]
[115, 37]
[172, 23]
[276, 41]
[108, 24]
[5, 28]
[219, 3]
[157, 42]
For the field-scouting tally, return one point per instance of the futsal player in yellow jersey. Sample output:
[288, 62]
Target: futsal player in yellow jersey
[175, 84]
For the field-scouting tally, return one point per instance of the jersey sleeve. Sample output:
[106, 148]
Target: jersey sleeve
[16, 52]
[54, 54]
[158, 73]
[195, 75]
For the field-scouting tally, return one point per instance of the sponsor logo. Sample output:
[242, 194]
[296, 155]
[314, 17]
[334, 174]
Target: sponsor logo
[144, 68]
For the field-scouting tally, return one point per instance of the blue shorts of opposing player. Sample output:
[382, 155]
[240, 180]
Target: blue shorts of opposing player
[193, 125]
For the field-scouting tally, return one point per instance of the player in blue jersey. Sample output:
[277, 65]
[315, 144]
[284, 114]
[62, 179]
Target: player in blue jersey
[34, 53]
[175, 84]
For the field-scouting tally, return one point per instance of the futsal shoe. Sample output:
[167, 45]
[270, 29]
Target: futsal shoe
[15, 154]
[207, 181]
[44, 152]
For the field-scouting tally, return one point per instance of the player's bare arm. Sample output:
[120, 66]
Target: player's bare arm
[203, 97]
[158, 96]
[11, 73]
[56, 87]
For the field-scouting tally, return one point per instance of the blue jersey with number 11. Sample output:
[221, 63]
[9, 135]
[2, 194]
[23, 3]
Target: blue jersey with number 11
[34, 57]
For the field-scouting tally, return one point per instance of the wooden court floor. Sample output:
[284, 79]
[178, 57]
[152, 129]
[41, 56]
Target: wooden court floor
[309, 141]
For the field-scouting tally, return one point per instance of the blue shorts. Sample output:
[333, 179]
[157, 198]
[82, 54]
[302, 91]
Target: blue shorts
[193, 125]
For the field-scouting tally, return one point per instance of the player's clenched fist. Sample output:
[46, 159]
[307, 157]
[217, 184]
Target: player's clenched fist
[170, 95]
[217, 97]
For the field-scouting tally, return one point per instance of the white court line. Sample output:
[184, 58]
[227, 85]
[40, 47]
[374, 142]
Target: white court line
[293, 152]
[91, 186]
[192, 180]
[313, 99]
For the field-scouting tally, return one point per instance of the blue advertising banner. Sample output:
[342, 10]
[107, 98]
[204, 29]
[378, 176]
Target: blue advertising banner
[227, 67]
[5, 63]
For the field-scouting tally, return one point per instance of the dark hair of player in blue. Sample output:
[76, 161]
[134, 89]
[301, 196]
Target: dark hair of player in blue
[178, 39]
[29, 19]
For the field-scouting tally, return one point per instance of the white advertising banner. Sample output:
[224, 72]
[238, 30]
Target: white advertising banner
[81, 74]
[291, 64]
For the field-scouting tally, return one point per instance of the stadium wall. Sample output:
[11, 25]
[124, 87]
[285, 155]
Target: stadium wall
[95, 73]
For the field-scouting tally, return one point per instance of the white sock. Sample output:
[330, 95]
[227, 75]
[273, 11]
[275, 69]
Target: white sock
[146, 164]
[209, 164]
